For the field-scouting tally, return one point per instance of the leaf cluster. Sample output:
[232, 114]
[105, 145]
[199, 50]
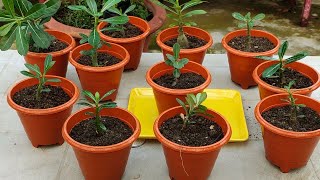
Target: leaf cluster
[48, 64]
[23, 23]
[193, 106]
[95, 102]
[246, 21]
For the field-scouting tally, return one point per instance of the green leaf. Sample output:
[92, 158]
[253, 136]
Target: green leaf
[168, 62]
[22, 6]
[83, 103]
[117, 20]
[28, 74]
[184, 61]
[45, 90]
[9, 6]
[55, 80]
[176, 73]
[238, 16]
[44, 20]
[242, 25]
[164, 6]
[89, 113]
[176, 50]
[108, 105]
[192, 97]
[92, 6]
[48, 63]
[36, 11]
[201, 97]
[94, 38]
[21, 41]
[7, 40]
[191, 4]
[296, 57]
[248, 16]
[251, 24]
[39, 36]
[97, 96]
[33, 68]
[5, 17]
[267, 58]
[110, 29]
[171, 58]
[194, 12]
[271, 70]
[190, 101]
[282, 50]
[101, 126]
[115, 10]
[4, 30]
[109, 4]
[108, 93]
[52, 8]
[89, 95]
[130, 8]
[259, 17]
[182, 104]
[84, 38]
[80, 8]
[178, 64]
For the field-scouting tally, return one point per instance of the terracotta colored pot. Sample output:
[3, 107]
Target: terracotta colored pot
[43, 126]
[159, 17]
[133, 45]
[101, 79]
[242, 64]
[60, 57]
[266, 90]
[102, 162]
[196, 54]
[190, 163]
[287, 149]
[166, 97]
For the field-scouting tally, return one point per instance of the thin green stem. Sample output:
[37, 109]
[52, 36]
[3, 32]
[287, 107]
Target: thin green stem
[248, 36]
[94, 56]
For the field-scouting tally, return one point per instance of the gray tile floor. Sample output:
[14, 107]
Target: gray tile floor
[19, 160]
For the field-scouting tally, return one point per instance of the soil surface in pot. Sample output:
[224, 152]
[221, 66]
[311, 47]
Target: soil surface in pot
[201, 132]
[301, 81]
[306, 120]
[258, 44]
[104, 59]
[56, 45]
[85, 132]
[27, 97]
[194, 42]
[129, 32]
[185, 81]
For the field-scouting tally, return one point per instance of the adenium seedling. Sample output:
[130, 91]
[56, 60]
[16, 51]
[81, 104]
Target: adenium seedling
[94, 38]
[179, 16]
[48, 63]
[192, 107]
[23, 23]
[97, 105]
[247, 22]
[294, 107]
[175, 62]
[277, 69]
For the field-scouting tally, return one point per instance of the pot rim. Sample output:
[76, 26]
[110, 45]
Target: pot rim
[56, 53]
[178, 91]
[190, 149]
[100, 149]
[170, 49]
[125, 40]
[47, 111]
[249, 54]
[282, 132]
[275, 89]
[100, 69]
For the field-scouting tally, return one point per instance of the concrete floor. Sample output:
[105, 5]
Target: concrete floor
[242, 160]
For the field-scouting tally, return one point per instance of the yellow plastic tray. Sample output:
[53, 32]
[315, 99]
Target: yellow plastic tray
[227, 102]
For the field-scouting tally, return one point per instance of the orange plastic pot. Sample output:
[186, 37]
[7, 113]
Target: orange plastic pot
[242, 64]
[43, 126]
[287, 149]
[133, 45]
[191, 163]
[196, 54]
[102, 162]
[166, 97]
[101, 79]
[60, 57]
[266, 90]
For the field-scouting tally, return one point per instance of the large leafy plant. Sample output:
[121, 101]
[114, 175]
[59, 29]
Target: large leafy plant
[277, 70]
[23, 23]
[176, 63]
[97, 105]
[180, 16]
[247, 22]
[42, 79]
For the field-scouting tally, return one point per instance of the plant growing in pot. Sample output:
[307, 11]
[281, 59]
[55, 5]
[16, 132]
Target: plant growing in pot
[272, 76]
[101, 137]
[290, 128]
[24, 25]
[43, 102]
[175, 78]
[244, 45]
[193, 41]
[191, 136]
[127, 31]
[99, 64]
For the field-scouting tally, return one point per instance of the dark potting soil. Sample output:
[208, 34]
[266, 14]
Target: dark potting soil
[280, 117]
[104, 59]
[85, 132]
[194, 42]
[130, 31]
[258, 44]
[185, 81]
[56, 45]
[27, 97]
[301, 81]
[201, 132]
